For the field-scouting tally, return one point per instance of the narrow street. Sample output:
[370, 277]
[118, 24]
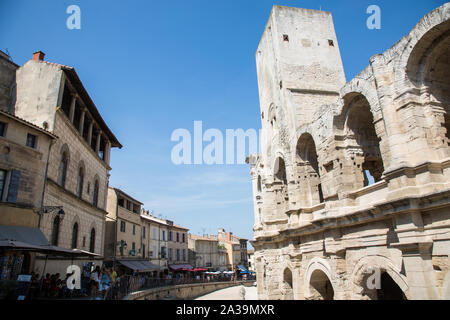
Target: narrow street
[233, 293]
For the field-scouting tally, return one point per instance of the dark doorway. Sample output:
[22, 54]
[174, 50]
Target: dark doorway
[389, 289]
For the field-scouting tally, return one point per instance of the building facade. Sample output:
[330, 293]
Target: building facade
[124, 228]
[205, 253]
[235, 247]
[24, 150]
[167, 242]
[177, 245]
[353, 177]
[52, 97]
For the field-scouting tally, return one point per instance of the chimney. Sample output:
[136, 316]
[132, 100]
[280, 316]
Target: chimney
[38, 56]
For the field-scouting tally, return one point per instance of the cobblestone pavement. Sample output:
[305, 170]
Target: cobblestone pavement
[233, 293]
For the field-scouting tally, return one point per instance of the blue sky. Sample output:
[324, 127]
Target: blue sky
[154, 66]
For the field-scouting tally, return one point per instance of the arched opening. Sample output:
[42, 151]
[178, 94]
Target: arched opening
[281, 178]
[259, 184]
[309, 169]
[75, 236]
[389, 289]
[95, 197]
[320, 286]
[80, 182]
[55, 231]
[288, 292]
[62, 172]
[428, 69]
[363, 144]
[437, 79]
[92, 241]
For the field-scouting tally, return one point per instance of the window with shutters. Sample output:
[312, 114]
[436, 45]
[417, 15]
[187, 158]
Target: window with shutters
[122, 226]
[13, 189]
[2, 183]
[31, 141]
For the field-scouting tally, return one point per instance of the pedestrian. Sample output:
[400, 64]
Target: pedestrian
[113, 275]
[105, 282]
[95, 281]
[242, 292]
[46, 282]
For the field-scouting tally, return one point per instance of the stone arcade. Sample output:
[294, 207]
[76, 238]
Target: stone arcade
[352, 177]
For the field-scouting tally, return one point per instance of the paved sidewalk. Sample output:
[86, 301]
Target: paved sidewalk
[232, 293]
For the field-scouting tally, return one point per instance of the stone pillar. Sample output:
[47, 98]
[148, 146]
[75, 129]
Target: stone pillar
[83, 115]
[417, 258]
[108, 152]
[72, 108]
[97, 145]
[419, 272]
[89, 137]
[396, 140]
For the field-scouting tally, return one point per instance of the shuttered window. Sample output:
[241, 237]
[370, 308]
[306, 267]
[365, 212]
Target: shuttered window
[13, 189]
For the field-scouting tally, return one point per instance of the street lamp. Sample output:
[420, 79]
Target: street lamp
[46, 210]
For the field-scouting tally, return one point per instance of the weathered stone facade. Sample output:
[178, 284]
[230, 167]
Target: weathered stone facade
[352, 178]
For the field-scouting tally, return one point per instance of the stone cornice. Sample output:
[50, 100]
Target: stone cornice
[375, 213]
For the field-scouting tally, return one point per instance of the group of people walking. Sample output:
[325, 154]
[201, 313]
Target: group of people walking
[101, 281]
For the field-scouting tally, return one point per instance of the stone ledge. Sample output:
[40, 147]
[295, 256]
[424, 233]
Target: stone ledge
[184, 291]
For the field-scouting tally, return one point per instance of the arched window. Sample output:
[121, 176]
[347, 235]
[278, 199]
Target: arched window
[363, 140]
[80, 182]
[55, 231]
[310, 175]
[428, 69]
[95, 198]
[75, 236]
[92, 241]
[62, 172]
